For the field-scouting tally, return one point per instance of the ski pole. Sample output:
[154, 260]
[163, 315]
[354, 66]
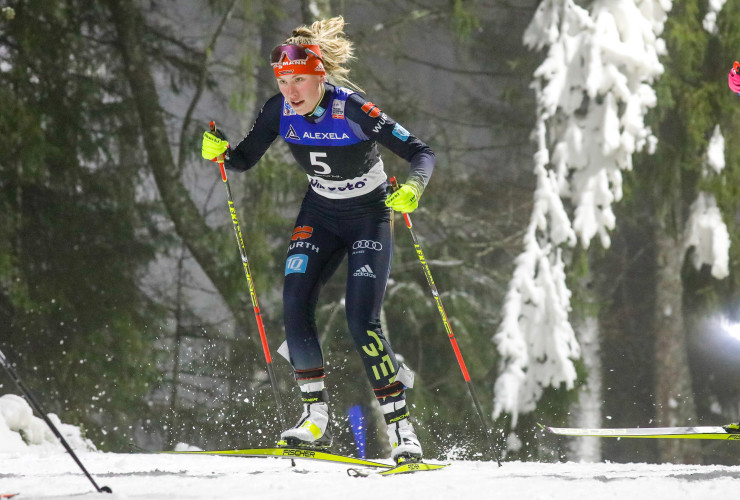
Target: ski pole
[36, 406]
[448, 328]
[252, 291]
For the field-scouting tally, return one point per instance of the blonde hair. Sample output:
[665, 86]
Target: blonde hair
[336, 49]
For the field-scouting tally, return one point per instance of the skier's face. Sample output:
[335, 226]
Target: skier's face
[303, 92]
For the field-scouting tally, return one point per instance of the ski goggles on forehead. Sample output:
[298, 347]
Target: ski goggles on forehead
[289, 59]
[294, 52]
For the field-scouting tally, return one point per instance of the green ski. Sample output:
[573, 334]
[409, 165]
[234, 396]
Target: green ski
[648, 432]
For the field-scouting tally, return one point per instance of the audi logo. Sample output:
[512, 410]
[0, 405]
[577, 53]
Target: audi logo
[368, 244]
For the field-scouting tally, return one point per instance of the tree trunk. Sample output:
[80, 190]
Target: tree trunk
[270, 36]
[674, 398]
[586, 411]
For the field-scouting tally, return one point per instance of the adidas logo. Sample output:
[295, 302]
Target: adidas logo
[364, 271]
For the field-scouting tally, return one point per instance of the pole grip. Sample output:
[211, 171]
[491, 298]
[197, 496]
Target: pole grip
[219, 160]
[394, 185]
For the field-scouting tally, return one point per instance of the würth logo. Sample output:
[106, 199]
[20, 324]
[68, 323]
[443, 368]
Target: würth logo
[364, 271]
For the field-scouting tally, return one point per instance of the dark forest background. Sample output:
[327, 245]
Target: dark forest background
[123, 303]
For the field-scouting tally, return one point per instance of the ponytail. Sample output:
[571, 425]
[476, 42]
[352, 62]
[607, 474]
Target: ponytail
[336, 49]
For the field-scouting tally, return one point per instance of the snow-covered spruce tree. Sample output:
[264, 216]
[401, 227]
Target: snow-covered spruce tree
[593, 91]
[680, 191]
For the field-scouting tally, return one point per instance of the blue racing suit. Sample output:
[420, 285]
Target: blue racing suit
[342, 214]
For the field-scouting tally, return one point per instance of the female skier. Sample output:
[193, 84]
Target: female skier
[333, 133]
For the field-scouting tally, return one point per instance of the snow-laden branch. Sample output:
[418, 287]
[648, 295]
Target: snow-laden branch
[706, 232]
[592, 93]
[710, 19]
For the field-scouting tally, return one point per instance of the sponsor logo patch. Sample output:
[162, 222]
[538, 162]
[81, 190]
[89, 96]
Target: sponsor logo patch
[349, 186]
[365, 271]
[367, 245]
[325, 135]
[302, 233]
[401, 132]
[292, 135]
[288, 109]
[337, 109]
[304, 244]
[383, 120]
[371, 110]
[296, 264]
[285, 61]
[298, 453]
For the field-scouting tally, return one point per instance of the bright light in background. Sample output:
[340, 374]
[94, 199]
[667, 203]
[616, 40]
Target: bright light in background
[732, 329]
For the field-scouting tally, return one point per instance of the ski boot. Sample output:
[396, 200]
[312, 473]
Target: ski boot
[732, 428]
[313, 429]
[405, 446]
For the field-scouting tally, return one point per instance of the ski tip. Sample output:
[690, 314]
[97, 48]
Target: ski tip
[545, 428]
[405, 468]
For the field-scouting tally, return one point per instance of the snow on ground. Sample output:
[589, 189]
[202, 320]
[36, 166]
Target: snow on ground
[45, 471]
[151, 476]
